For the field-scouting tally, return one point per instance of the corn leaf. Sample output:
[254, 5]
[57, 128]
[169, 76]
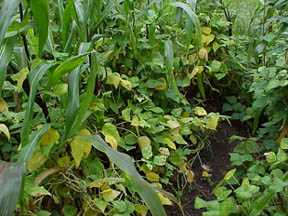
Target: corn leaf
[40, 14]
[8, 10]
[5, 54]
[34, 77]
[11, 175]
[67, 66]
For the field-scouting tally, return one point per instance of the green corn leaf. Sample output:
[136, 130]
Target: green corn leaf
[8, 10]
[27, 151]
[11, 175]
[5, 54]
[194, 19]
[67, 66]
[125, 163]
[34, 77]
[41, 17]
[73, 91]
[69, 13]
[86, 99]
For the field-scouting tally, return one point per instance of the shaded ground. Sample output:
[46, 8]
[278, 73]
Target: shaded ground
[216, 157]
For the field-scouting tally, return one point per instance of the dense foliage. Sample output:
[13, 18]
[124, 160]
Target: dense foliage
[85, 83]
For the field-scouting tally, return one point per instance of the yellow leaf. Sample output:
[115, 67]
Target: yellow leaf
[4, 129]
[229, 174]
[206, 30]
[190, 176]
[20, 77]
[207, 39]
[152, 177]
[145, 146]
[50, 137]
[79, 149]
[200, 111]
[203, 54]
[3, 105]
[196, 70]
[109, 195]
[212, 121]
[141, 210]
[84, 132]
[64, 161]
[111, 135]
[36, 161]
[135, 121]
[112, 141]
[114, 79]
[164, 200]
[126, 84]
[193, 139]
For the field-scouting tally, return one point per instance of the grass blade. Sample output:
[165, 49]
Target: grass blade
[40, 13]
[125, 163]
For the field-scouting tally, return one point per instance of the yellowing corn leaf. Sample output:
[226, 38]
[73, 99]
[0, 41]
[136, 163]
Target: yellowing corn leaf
[145, 146]
[109, 195]
[80, 148]
[20, 77]
[152, 176]
[3, 105]
[200, 111]
[50, 137]
[212, 121]
[36, 161]
[4, 129]
[164, 200]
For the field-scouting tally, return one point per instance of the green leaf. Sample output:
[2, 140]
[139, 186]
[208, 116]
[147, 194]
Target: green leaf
[40, 13]
[34, 77]
[74, 92]
[125, 163]
[284, 144]
[66, 67]
[194, 19]
[5, 54]
[8, 11]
